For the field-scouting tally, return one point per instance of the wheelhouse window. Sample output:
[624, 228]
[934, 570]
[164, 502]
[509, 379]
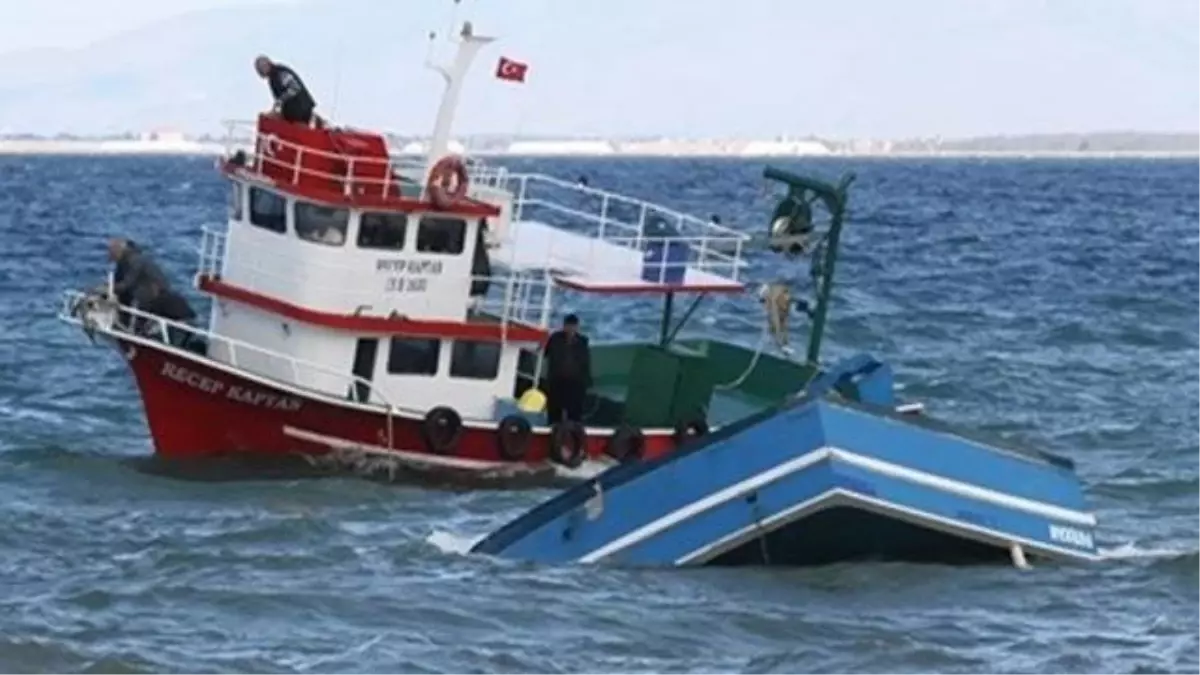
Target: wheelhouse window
[413, 356]
[268, 210]
[382, 230]
[475, 360]
[439, 234]
[235, 201]
[321, 224]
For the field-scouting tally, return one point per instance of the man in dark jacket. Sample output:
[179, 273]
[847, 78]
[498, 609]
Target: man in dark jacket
[569, 372]
[292, 100]
[140, 283]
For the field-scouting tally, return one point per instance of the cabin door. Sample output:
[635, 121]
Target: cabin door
[364, 368]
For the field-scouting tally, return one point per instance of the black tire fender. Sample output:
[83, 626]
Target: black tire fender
[627, 444]
[568, 444]
[441, 430]
[512, 437]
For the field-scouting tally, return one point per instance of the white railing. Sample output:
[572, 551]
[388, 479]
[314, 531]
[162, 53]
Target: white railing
[212, 252]
[587, 211]
[385, 173]
[521, 298]
[699, 254]
[95, 313]
[626, 221]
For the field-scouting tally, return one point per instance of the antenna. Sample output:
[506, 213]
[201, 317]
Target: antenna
[338, 63]
[469, 45]
[453, 18]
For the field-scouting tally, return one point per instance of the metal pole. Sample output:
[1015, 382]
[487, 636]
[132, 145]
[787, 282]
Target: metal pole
[668, 306]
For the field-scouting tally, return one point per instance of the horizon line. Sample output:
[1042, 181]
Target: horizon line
[779, 136]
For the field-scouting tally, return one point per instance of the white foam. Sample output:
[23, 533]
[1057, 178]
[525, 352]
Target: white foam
[455, 544]
[1131, 551]
[588, 469]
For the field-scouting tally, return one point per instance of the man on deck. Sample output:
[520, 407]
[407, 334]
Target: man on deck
[292, 100]
[139, 282]
[569, 372]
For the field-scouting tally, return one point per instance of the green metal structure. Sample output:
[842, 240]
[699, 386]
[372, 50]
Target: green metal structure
[674, 380]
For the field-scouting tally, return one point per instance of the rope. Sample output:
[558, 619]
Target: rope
[771, 326]
[734, 384]
[774, 322]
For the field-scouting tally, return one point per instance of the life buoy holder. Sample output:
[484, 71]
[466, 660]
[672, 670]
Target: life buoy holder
[568, 444]
[448, 182]
[512, 437]
[627, 444]
[686, 430]
[441, 430]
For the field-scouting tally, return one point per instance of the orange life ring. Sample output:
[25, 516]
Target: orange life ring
[448, 181]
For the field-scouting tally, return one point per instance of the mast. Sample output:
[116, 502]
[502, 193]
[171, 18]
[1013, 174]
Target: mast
[825, 291]
[469, 45]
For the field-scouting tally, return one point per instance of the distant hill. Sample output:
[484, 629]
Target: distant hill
[1100, 142]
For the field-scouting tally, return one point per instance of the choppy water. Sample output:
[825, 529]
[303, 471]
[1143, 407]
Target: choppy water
[1052, 301]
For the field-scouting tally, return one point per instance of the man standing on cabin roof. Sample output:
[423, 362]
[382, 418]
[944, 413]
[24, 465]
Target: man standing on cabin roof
[139, 282]
[292, 100]
[569, 372]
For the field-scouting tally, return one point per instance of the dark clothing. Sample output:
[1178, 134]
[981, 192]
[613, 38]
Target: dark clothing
[564, 399]
[139, 282]
[124, 291]
[568, 376]
[568, 358]
[295, 103]
[171, 305]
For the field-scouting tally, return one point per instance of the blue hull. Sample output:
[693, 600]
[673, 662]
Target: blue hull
[816, 482]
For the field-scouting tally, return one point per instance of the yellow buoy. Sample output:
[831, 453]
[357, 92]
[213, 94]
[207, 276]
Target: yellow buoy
[533, 400]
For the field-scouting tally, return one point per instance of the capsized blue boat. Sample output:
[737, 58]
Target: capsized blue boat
[836, 474]
[823, 479]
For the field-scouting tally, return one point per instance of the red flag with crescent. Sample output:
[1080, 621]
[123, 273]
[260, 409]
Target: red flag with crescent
[514, 71]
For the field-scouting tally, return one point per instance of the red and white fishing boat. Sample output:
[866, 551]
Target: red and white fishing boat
[367, 303]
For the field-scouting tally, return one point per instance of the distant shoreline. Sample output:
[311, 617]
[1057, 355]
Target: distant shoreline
[109, 148]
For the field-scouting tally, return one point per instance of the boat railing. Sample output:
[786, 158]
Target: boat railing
[371, 175]
[625, 221]
[212, 251]
[586, 211]
[96, 313]
[520, 297]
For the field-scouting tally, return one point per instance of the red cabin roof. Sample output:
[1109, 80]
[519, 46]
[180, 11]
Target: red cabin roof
[339, 167]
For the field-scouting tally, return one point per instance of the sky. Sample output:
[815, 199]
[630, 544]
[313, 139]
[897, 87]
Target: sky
[32, 24]
[844, 68]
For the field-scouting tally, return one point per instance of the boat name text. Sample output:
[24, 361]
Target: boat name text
[408, 276]
[249, 396]
[1071, 535]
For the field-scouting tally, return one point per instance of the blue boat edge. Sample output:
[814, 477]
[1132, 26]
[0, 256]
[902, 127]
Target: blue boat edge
[823, 478]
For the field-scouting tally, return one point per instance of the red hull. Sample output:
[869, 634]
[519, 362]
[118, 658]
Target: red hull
[197, 408]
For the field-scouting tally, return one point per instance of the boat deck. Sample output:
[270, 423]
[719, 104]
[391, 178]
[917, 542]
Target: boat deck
[591, 240]
[614, 264]
[725, 407]
[597, 241]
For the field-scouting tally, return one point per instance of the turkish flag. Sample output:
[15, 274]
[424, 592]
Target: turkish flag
[508, 69]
